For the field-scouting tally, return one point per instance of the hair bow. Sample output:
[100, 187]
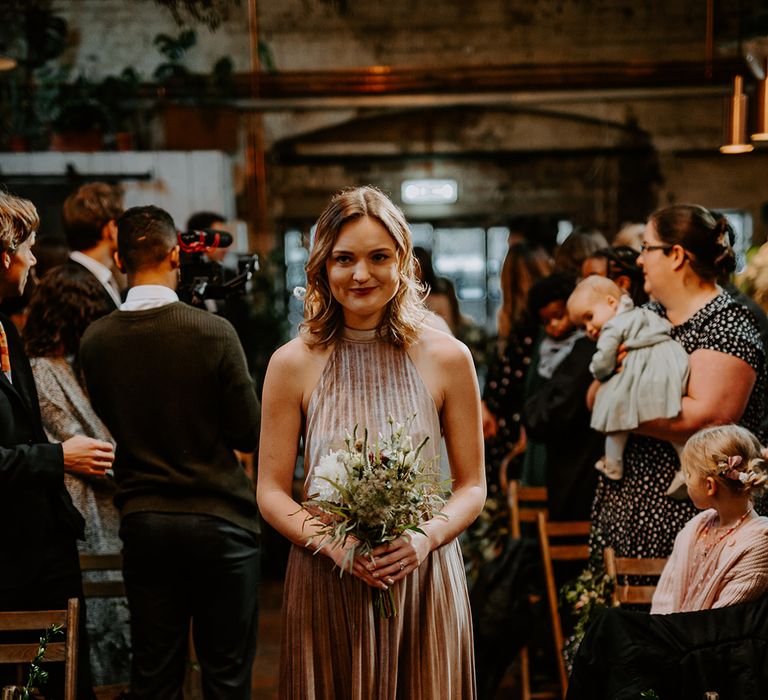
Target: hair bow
[728, 470]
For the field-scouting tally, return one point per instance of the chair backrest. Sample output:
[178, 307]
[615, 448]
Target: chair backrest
[39, 621]
[560, 541]
[620, 568]
[517, 450]
[102, 562]
[525, 502]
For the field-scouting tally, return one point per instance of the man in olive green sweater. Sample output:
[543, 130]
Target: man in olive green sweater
[171, 384]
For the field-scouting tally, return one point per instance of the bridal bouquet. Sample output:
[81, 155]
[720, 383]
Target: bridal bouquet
[372, 492]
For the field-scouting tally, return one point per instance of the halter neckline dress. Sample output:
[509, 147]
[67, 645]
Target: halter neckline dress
[334, 644]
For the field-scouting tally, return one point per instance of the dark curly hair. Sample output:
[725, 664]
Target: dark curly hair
[555, 287]
[621, 261]
[65, 302]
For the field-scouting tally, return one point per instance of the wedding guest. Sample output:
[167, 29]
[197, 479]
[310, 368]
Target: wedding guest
[171, 384]
[210, 220]
[503, 395]
[64, 304]
[684, 252]
[720, 557]
[48, 253]
[39, 525]
[90, 224]
[653, 375]
[556, 336]
[364, 354]
[630, 235]
[562, 448]
[441, 297]
[575, 249]
[754, 278]
[618, 264]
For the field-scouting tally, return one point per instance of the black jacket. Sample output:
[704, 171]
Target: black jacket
[34, 504]
[557, 415]
[678, 656]
[73, 264]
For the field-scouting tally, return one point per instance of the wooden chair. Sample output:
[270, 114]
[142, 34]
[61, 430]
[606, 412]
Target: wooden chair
[525, 503]
[102, 562]
[619, 568]
[575, 548]
[38, 621]
[104, 589]
[517, 449]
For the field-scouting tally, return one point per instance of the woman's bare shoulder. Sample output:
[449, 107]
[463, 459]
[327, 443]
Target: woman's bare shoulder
[296, 357]
[291, 354]
[441, 347]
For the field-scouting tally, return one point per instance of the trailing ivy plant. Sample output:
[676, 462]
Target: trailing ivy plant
[38, 677]
[211, 13]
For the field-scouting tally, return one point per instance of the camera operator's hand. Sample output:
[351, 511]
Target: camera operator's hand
[87, 457]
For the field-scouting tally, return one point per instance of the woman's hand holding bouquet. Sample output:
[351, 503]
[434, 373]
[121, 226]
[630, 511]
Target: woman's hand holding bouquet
[368, 501]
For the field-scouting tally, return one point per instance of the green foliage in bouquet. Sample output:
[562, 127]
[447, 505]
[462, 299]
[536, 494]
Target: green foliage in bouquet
[371, 493]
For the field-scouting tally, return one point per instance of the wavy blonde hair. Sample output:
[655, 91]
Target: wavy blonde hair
[707, 453]
[18, 221]
[323, 315]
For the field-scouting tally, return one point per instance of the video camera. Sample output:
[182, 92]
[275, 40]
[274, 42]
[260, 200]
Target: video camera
[203, 279]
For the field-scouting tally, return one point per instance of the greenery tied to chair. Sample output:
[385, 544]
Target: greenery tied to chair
[582, 597]
[38, 677]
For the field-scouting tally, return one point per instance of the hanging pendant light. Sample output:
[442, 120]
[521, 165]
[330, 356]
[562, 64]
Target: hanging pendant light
[761, 128]
[736, 121]
[7, 62]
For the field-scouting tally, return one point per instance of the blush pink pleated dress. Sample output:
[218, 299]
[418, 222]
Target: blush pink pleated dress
[334, 646]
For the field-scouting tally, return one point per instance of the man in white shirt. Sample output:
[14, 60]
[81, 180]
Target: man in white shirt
[89, 224]
[171, 383]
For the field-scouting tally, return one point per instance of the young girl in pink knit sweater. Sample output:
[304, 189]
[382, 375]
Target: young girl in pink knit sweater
[720, 557]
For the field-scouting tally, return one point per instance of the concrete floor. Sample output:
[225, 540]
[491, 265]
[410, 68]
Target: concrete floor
[267, 662]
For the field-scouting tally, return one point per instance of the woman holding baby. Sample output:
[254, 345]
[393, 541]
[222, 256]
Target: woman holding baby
[685, 252]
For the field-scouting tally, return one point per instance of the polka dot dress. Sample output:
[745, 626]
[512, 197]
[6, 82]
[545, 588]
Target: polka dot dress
[504, 395]
[634, 515]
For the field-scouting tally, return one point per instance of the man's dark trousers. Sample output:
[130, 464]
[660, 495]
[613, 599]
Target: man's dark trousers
[179, 566]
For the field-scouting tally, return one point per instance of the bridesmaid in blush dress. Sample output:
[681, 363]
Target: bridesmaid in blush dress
[365, 353]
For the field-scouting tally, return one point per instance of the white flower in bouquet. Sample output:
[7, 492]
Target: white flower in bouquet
[374, 492]
[328, 476]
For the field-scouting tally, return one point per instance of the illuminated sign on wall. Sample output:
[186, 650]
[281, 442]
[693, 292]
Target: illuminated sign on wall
[429, 191]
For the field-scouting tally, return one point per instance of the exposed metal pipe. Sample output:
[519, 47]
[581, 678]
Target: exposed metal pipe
[709, 41]
[256, 171]
[474, 99]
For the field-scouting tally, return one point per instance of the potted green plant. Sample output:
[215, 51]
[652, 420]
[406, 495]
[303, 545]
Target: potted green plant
[80, 119]
[194, 107]
[38, 36]
[118, 93]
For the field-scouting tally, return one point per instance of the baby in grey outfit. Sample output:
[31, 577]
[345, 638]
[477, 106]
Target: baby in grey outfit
[653, 376]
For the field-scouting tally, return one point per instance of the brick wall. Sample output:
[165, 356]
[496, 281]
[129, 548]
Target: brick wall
[109, 35]
[309, 34]
[684, 132]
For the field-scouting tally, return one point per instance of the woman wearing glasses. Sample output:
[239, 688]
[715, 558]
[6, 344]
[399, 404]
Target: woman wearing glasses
[685, 251]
